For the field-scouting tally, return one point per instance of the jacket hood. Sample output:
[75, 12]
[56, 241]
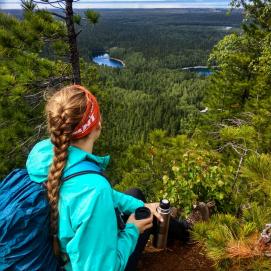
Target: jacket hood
[41, 156]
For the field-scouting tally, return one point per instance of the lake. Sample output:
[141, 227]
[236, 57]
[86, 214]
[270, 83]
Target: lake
[106, 60]
[201, 70]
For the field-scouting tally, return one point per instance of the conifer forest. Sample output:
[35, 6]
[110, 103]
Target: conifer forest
[170, 130]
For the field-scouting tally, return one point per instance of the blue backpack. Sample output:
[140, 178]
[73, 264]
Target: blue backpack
[25, 239]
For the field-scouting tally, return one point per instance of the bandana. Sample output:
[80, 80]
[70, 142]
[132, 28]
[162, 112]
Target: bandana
[90, 118]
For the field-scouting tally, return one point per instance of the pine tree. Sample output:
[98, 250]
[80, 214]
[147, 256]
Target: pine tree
[24, 78]
[240, 95]
[234, 244]
[66, 13]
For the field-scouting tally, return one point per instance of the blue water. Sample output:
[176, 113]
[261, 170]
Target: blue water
[107, 61]
[202, 71]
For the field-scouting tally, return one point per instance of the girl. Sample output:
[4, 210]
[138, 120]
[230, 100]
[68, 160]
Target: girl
[83, 217]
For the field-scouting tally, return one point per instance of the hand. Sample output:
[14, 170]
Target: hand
[153, 208]
[142, 224]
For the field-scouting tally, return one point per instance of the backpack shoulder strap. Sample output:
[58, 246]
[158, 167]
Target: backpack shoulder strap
[85, 167]
[83, 173]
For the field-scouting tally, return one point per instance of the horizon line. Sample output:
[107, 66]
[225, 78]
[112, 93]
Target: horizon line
[137, 4]
[137, 8]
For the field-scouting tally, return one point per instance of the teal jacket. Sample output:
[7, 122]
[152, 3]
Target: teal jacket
[88, 230]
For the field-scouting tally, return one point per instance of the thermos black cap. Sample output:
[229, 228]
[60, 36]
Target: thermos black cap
[142, 213]
[164, 204]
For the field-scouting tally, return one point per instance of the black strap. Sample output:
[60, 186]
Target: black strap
[83, 173]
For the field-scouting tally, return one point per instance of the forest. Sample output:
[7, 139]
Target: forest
[153, 129]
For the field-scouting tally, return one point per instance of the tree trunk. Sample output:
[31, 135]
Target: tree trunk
[72, 38]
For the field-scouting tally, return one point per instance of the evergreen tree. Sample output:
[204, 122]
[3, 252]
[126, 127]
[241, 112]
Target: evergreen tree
[66, 13]
[24, 78]
[240, 94]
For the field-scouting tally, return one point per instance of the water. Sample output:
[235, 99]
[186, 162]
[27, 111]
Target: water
[106, 60]
[201, 70]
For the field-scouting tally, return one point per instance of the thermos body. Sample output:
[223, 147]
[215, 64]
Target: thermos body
[160, 237]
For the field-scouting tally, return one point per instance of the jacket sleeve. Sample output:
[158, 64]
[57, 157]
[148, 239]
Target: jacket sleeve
[126, 204]
[97, 245]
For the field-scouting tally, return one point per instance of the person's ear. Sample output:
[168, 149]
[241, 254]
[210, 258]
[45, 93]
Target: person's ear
[99, 126]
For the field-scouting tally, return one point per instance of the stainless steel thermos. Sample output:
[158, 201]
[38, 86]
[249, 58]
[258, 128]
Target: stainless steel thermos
[160, 236]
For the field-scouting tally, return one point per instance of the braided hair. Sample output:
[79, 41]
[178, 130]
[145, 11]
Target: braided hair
[64, 111]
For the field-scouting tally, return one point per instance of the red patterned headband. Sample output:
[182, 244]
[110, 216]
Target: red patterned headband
[90, 118]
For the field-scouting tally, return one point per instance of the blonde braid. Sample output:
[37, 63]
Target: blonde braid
[64, 111]
[54, 179]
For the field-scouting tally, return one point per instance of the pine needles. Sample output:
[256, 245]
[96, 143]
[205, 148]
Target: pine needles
[234, 244]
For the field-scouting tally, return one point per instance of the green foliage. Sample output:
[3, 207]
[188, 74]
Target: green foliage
[244, 63]
[145, 164]
[28, 5]
[77, 19]
[257, 14]
[234, 56]
[199, 176]
[256, 213]
[92, 16]
[151, 110]
[170, 39]
[178, 169]
[239, 92]
[258, 168]
[257, 178]
[233, 243]
[244, 134]
[142, 105]
[22, 73]
[28, 35]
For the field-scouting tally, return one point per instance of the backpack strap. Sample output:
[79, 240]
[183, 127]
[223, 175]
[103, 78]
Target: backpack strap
[83, 173]
[82, 168]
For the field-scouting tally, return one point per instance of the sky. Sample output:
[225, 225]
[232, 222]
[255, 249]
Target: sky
[15, 4]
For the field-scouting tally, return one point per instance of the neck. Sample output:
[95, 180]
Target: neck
[85, 145]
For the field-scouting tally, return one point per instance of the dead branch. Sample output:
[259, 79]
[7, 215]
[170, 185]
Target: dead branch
[240, 165]
[235, 147]
[51, 82]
